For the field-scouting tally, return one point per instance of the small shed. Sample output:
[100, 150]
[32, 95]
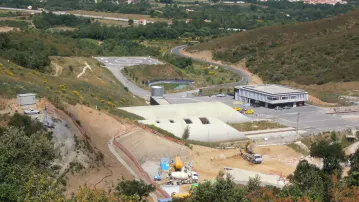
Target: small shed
[26, 99]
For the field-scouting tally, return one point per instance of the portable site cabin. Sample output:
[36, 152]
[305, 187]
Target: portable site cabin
[26, 99]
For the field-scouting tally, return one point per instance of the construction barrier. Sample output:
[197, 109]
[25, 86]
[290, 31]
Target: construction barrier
[143, 173]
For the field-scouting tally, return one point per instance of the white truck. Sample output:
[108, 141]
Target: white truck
[178, 178]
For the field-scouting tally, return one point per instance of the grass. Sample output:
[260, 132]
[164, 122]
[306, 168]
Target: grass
[329, 92]
[201, 74]
[316, 52]
[327, 136]
[298, 149]
[98, 88]
[215, 91]
[257, 125]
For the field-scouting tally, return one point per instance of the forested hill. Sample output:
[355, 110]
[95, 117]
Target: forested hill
[308, 53]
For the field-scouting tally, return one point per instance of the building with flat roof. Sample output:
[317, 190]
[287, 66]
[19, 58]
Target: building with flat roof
[26, 99]
[270, 95]
[206, 121]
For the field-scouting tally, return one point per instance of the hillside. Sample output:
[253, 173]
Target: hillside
[306, 53]
[72, 80]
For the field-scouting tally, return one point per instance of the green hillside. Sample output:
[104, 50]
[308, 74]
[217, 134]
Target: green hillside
[307, 53]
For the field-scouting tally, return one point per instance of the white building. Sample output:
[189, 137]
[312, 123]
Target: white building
[270, 95]
[26, 99]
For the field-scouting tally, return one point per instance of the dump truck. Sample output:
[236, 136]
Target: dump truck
[250, 155]
[253, 158]
[178, 163]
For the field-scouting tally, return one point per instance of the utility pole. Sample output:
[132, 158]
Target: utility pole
[297, 132]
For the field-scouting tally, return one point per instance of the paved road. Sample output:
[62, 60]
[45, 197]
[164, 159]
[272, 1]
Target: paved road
[116, 64]
[245, 78]
[64, 13]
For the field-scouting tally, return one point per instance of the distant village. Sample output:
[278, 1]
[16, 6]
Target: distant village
[330, 2]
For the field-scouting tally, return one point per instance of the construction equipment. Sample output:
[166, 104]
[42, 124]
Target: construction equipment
[253, 158]
[178, 163]
[178, 178]
[185, 195]
[237, 109]
[248, 111]
[250, 155]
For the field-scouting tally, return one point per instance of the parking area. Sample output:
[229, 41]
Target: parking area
[310, 118]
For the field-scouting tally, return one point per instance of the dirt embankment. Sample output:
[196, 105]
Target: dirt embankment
[145, 146]
[207, 56]
[100, 128]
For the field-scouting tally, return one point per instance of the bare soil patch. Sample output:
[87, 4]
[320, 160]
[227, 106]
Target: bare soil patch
[278, 160]
[100, 128]
[7, 29]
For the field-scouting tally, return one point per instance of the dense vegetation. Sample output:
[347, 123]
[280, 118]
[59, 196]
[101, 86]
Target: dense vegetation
[307, 53]
[13, 23]
[47, 20]
[25, 150]
[252, 16]
[32, 49]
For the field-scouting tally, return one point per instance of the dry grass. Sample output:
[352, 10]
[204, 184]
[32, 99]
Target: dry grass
[7, 29]
[95, 89]
[257, 125]
[328, 92]
[118, 15]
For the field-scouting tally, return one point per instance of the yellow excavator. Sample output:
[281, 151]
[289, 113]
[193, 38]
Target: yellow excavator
[185, 195]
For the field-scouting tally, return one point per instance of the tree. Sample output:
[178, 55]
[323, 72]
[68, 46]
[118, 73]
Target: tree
[332, 155]
[185, 134]
[20, 154]
[222, 190]
[134, 188]
[309, 180]
[253, 188]
[42, 188]
[86, 194]
[130, 22]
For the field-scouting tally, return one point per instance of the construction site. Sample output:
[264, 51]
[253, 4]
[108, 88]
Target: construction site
[98, 148]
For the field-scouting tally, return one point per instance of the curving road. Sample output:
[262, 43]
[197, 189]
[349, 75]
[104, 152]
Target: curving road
[245, 78]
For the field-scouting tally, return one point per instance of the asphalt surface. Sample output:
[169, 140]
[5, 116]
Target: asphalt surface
[311, 118]
[245, 78]
[116, 64]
